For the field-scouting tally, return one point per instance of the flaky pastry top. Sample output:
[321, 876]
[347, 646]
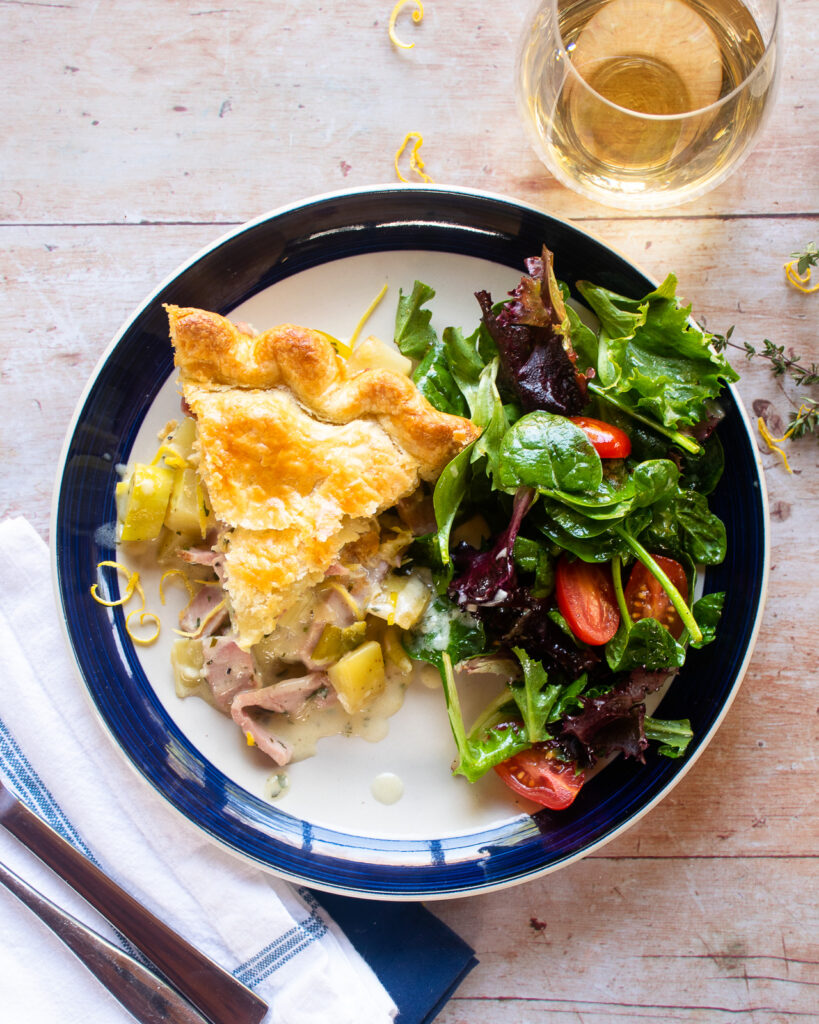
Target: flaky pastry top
[210, 349]
[298, 453]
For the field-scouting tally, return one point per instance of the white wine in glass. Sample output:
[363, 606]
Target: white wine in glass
[646, 103]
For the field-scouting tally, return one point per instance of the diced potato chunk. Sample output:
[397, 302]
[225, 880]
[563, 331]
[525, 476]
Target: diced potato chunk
[176, 446]
[359, 676]
[142, 500]
[394, 650]
[184, 436]
[184, 514]
[187, 661]
[373, 354]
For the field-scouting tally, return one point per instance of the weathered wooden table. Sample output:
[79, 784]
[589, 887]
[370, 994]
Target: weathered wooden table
[136, 132]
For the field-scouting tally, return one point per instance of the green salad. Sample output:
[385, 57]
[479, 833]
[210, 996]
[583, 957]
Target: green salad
[569, 534]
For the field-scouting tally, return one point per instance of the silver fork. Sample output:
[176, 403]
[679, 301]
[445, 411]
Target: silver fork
[142, 993]
[211, 989]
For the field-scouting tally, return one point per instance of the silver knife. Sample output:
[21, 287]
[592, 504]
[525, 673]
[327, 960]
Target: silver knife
[213, 990]
[143, 994]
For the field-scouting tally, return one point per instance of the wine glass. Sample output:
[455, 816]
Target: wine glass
[641, 104]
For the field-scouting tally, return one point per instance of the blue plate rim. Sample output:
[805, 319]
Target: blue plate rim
[391, 889]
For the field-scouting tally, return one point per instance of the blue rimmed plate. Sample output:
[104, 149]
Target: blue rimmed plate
[320, 263]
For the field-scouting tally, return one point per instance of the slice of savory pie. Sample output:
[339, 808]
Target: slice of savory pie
[295, 484]
[297, 453]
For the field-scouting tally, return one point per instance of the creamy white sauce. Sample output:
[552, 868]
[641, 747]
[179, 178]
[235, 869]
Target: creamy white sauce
[371, 724]
[387, 788]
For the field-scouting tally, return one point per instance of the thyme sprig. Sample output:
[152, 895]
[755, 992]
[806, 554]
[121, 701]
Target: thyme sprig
[809, 257]
[782, 363]
[805, 420]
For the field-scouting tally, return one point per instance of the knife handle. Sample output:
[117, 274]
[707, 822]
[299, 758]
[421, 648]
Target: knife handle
[145, 996]
[214, 991]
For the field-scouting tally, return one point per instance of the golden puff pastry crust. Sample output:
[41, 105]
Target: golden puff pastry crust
[210, 350]
[298, 453]
[268, 464]
[269, 571]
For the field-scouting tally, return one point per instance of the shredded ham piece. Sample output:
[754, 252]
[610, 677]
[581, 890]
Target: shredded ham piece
[194, 618]
[228, 671]
[286, 697]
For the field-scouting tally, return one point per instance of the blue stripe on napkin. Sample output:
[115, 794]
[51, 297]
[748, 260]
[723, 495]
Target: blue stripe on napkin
[420, 972]
[30, 789]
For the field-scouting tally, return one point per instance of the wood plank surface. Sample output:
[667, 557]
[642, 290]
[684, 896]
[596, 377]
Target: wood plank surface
[220, 112]
[137, 132]
[611, 939]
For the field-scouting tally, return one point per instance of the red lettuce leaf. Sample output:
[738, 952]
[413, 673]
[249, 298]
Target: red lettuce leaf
[614, 721]
[531, 333]
[488, 577]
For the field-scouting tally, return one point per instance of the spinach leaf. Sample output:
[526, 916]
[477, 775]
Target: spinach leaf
[435, 381]
[453, 483]
[414, 334]
[707, 611]
[573, 521]
[445, 629]
[468, 356]
[449, 490]
[702, 533]
[683, 525]
[488, 412]
[535, 557]
[424, 551]
[547, 450]
[650, 482]
[703, 472]
[654, 480]
[643, 644]
[589, 539]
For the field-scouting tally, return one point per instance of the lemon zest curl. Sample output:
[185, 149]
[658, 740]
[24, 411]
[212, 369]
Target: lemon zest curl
[198, 631]
[368, 312]
[773, 443]
[801, 282]
[143, 615]
[132, 585]
[131, 582]
[182, 576]
[416, 163]
[417, 17]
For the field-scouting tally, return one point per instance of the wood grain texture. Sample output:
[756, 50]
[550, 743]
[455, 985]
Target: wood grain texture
[136, 133]
[189, 111]
[623, 941]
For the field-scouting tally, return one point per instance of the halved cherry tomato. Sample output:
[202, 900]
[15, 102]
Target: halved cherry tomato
[609, 442]
[586, 599]
[646, 598]
[539, 776]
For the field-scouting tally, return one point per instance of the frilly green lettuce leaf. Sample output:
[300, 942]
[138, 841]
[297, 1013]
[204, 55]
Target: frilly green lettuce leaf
[653, 357]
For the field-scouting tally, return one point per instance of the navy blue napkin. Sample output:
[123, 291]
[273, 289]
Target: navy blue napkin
[418, 959]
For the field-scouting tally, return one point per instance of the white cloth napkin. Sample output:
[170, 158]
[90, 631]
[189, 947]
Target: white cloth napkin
[56, 757]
